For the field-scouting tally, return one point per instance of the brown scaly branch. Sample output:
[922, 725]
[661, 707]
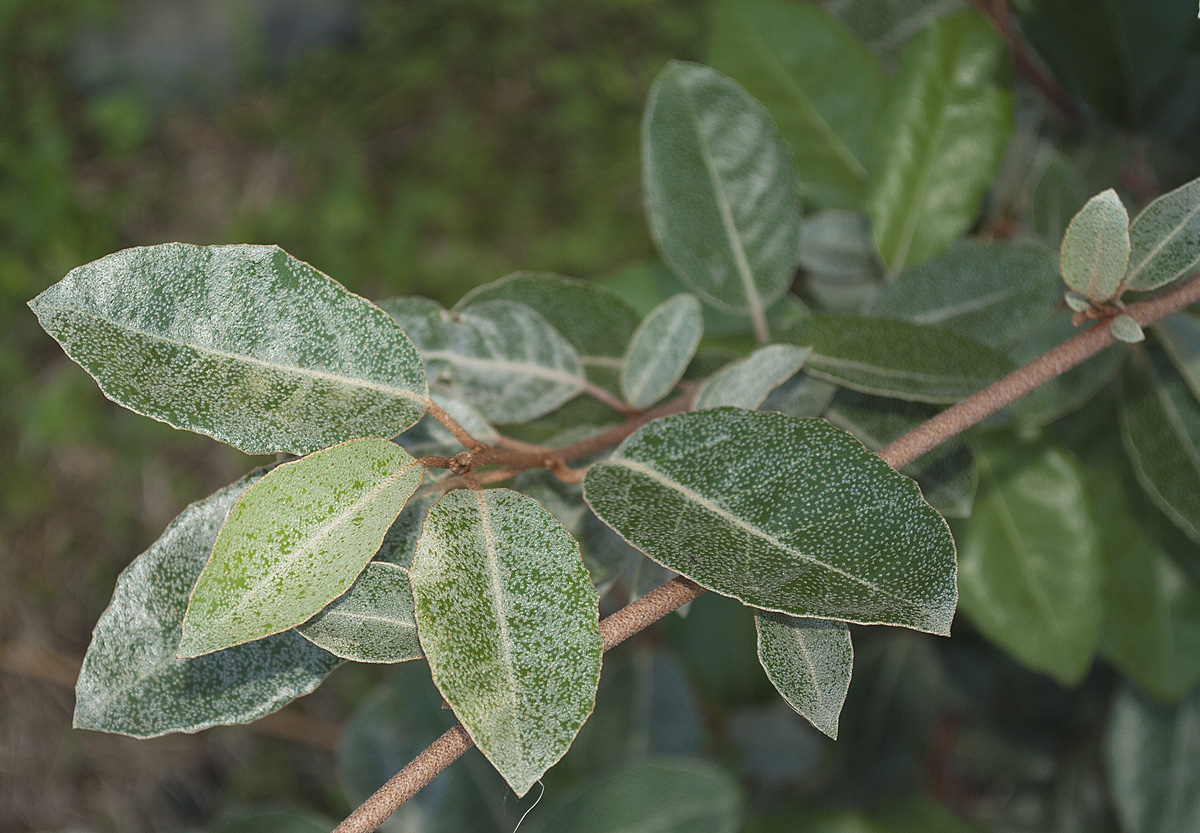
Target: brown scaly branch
[996, 11]
[657, 604]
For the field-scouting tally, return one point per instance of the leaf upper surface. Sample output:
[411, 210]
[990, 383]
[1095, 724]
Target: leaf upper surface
[242, 343]
[1095, 249]
[1030, 565]
[501, 357]
[745, 384]
[133, 683]
[508, 619]
[784, 514]
[1179, 335]
[1166, 239]
[372, 621]
[1160, 424]
[809, 662]
[660, 350]
[888, 357]
[785, 55]
[991, 292]
[296, 541]
[939, 139]
[596, 321]
[721, 193]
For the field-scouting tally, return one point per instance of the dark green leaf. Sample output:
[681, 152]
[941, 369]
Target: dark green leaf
[1179, 335]
[837, 252]
[1057, 196]
[494, 575]
[372, 621]
[1160, 423]
[666, 796]
[1095, 249]
[295, 541]
[939, 139]
[1153, 756]
[809, 662]
[946, 474]
[1152, 627]
[660, 350]
[992, 292]
[498, 356]
[894, 358]
[243, 343]
[1031, 570]
[596, 321]
[1166, 239]
[782, 54]
[273, 821]
[783, 514]
[133, 683]
[886, 26]
[721, 193]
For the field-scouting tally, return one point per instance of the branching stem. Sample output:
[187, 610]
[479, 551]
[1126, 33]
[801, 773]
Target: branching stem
[677, 592]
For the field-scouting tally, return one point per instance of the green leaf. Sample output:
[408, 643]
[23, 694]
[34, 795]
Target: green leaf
[666, 796]
[1179, 335]
[500, 357]
[372, 621]
[782, 54]
[400, 542]
[899, 359]
[1057, 195]
[939, 139]
[429, 438]
[992, 292]
[1152, 627]
[242, 343]
[493, 576]
[809, 662]
[885, 26]
[783, 514]
[745, 384]
[1153, 754]
[133, 683]
[721, 193]
[803, 395]
[596, 321]
[1095, 250]
[660, 350]
[1160, 424]
[838, 254]
[1030, 567]
[1126, 329]
[946, 474]
[296, 541]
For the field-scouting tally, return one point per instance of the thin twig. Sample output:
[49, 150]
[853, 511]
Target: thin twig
[657, 604]
[461, 434]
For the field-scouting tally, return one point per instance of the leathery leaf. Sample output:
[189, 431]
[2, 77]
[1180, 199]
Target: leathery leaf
[809, 662]
[372, 621]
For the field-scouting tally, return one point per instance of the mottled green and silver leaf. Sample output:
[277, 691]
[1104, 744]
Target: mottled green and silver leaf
[671, 795]
[784, 514]
[1031, 569]
[660, 350]
[1153, 754]
[372, 621]
[508, 620]
[296, 540]
[500, 357]
[746, 383]
[1095, 249]
[1160, 424]
[242, 343]
[597, 321]
[809, 662]
[899, 359]
[1166, 239]
[133, 683]
[721, 193]
[993, 293]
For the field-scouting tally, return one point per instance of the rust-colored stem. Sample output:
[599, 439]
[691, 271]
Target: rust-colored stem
[677, 592]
